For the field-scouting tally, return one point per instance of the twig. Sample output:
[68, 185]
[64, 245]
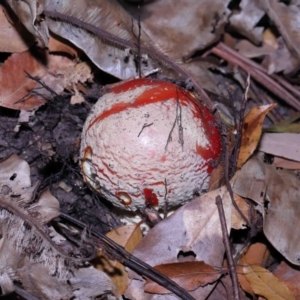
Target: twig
[139, 43]
[239, 136]
[263, 98]
[120, 254]
[228, 185]
[257, 72]
[232, 270]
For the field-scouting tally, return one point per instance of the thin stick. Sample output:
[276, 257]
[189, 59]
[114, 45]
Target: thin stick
[257, 72]
[232, 270]
[240, 126]
[120, 254]
[139, 43]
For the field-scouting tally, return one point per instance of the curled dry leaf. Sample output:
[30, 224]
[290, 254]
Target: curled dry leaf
[193, 229]
[189, 275]
[276, 144]
[31, 251]
[252, 129]
[277, 194]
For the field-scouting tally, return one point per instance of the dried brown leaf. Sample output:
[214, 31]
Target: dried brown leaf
[200, 24]
[237, 222]
[127, 236]
[247, 49]
[189, 275]
[56, 72]
[15, 86]
[252, 129]
[56, 44]
[264, 283]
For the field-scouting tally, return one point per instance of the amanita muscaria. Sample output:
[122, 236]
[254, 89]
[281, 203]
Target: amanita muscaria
[149, 142]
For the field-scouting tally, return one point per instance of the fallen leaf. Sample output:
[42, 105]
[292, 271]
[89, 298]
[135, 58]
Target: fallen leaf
[224, 290]
[57, 44]
[13, 35]
[280, 60]
[276, 192]
[252, 129]
[28, 12]
[192, 229]
[257, 254]
[264, 283]
[15, 86]
[56, 72]
[128, 237]
[247, 49]
[269, 44]
[276, 144]
[237, 221]
[286, 20]
[245, 21]
[189, 275]
[290, 275]
[284, 163]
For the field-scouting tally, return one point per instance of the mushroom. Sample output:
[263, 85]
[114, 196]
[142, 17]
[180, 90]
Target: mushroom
[149, 142]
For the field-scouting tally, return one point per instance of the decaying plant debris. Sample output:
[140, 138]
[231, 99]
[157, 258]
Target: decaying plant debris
[59, 240]
[34, 254]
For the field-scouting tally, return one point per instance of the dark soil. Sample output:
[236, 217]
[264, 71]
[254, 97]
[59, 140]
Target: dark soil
[50, 142]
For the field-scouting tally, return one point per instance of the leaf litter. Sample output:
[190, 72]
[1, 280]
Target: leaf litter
[196, 48]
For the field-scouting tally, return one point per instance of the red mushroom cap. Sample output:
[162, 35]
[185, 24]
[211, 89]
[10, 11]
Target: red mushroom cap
[149, 142]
